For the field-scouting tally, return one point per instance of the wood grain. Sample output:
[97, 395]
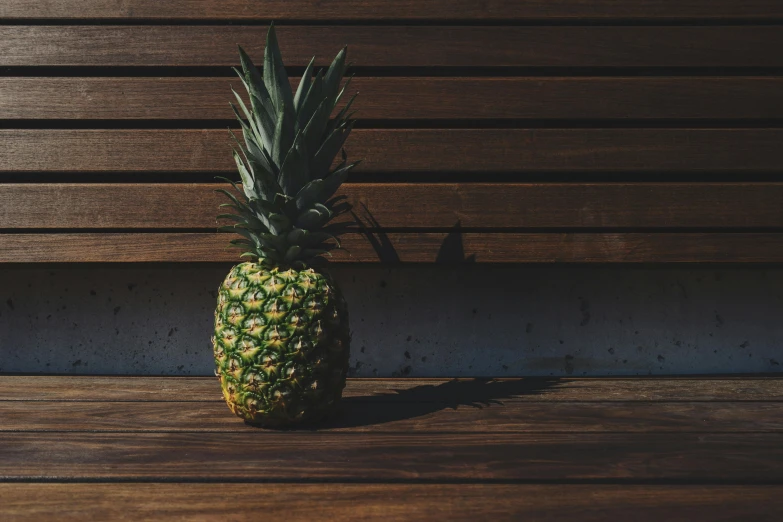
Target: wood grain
[391, 502]
[411, 247]
[393, 151]
[501, 413]
[284, 456]
[119, 388]
[409, 98]
[397, 46]
[313, 10]
[444, 205]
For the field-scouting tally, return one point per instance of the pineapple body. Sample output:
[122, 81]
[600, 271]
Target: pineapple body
[281, 329]
[281, 344]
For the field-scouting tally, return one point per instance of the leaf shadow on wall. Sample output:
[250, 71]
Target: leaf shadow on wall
[379, 240]
[451, 251]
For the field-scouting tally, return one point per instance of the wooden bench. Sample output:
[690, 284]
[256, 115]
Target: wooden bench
[499, 131]
[99, 448]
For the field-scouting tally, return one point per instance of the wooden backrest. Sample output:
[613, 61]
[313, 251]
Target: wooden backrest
[495, 131]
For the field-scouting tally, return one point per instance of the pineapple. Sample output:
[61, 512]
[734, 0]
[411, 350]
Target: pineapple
[281, 339]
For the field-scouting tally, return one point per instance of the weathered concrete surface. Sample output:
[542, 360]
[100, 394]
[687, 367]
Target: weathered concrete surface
[416, 321]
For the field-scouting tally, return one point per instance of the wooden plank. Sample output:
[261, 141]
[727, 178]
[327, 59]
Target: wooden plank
[313, 10]
[410, 98]
[393, 151]
[118, 388]
[118, 248]
[443, 205]
[285, 456]
[500, 414]
[418, 247]
[392, 502]
[397, 46]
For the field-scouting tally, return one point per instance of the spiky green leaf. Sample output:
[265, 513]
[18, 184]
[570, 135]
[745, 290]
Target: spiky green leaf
[342, 117]
[311, 101]
[295, 170]
[285, 133]
[304, 85]
[334, 76]
[286, 199]
[247, 179]
[315, 129]
[320, 190]
[324, 157]
[314, 218]
[292, 252]
[275, 76]
[264, 109]
[297, 236]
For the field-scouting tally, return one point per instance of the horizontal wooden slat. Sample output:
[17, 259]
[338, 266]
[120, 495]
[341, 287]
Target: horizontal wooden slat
[391, 502]
[412, 205]
[118, 388]
[410, 150]
[417, 247]
[409, 98]
[395, 46]
[275, 456]
[381, 10]
[116, 248]
[504, 414]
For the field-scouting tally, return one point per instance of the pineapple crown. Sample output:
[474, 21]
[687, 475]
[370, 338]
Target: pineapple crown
[286, 200]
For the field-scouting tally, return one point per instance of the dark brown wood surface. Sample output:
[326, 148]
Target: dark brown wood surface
[710, 446]
[395, 456]
[405, 415]
[409, 98]
[494, 91]
[410, 150]
[391, 502]
[411, 205]
[501, 10]
[122, 388]
[397, 46]
[410, 247]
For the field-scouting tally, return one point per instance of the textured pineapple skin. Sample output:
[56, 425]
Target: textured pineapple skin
[281, 344]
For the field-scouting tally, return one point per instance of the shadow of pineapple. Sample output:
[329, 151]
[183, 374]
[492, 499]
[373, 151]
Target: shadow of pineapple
[426, 399]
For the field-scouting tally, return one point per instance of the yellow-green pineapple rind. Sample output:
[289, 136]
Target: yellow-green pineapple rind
[281, 344]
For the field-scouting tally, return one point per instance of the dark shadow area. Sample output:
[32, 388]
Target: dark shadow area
[418, 401]
[452, 250]
[379, 240]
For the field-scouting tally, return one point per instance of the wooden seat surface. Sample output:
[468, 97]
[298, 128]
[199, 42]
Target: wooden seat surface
[92, 448]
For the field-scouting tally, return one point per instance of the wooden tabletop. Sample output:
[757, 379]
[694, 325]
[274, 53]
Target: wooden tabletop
[138, 448]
